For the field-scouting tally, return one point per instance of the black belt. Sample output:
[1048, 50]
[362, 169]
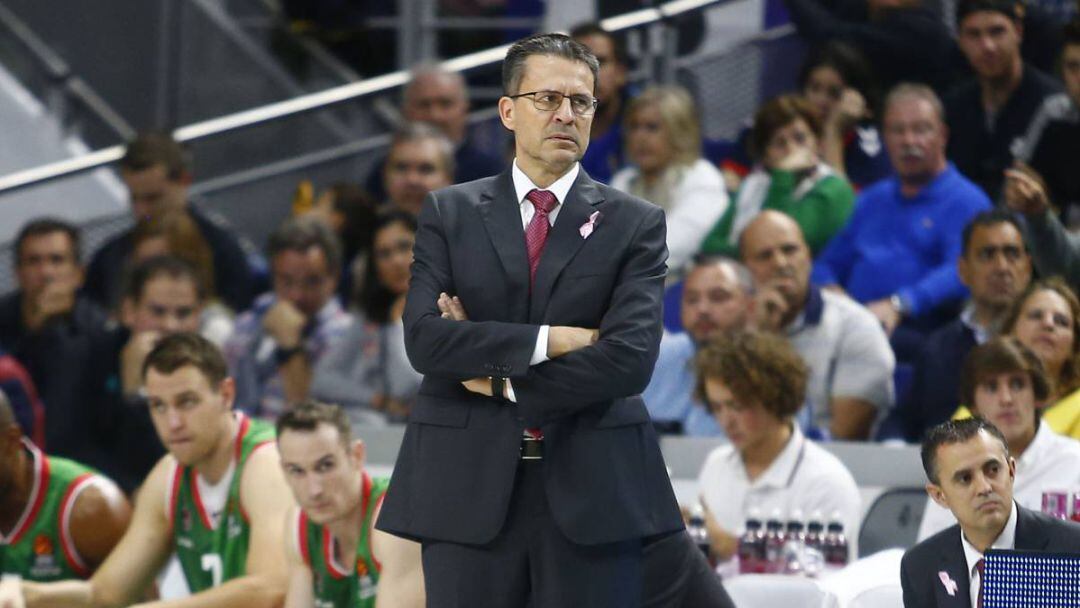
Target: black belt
[532, 449]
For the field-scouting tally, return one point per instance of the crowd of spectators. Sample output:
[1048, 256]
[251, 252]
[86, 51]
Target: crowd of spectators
[888, 247]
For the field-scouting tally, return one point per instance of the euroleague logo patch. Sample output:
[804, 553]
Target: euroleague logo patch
[45, 563]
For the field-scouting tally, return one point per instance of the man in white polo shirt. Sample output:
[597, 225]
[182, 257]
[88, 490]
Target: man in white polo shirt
[851, 363]
[754, 383]
[1005, 382]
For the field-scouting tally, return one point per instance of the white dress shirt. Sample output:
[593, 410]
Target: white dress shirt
[1005, 540]
[522, 187]
[1050, 462]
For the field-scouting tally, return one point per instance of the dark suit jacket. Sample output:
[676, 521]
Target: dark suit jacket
[604, 474]
[943, 552]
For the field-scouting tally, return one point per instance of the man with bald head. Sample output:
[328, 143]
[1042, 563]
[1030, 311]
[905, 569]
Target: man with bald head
[440, 98]
[851, 364]
[717, 296]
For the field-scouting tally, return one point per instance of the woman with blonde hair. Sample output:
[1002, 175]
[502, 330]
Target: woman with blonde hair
[663, 143]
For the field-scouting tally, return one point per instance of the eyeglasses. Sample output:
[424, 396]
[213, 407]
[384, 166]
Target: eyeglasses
[550, 101]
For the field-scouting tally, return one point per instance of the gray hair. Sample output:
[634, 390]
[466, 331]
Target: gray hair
[743, 277]
[906, 90]
[555, 45]
[303, 233]
[420, 131]
[433, 70]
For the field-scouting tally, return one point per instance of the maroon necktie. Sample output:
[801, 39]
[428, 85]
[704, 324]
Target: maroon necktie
[537, 231]
[979, 566]
[535, 238]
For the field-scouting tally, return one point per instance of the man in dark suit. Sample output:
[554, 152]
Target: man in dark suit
[529, 469]
[971, 474]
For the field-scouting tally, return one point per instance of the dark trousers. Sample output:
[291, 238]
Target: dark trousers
[531, 563]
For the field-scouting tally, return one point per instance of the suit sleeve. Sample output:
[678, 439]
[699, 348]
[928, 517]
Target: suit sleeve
[620, 363]
[908, 586]
[455, 349]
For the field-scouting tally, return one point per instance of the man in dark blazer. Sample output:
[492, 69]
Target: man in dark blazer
[971, 474]
[529, 469]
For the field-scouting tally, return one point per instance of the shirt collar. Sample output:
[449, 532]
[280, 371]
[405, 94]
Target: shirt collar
[812, 311]
[967, 317]
[783, 467]
[1005, 540]
[1039, 443]
[560, 188]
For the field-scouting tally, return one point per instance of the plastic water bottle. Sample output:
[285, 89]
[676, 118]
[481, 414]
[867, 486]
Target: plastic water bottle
[815, 534]
[774, 543]
[752, 547]
[835, 546]
[1076, 506]
[795, 531]
[697, 531]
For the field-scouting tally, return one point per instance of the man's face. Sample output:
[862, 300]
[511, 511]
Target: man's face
[991, 43]
[772, 247]
[10, 444]
[713, 302]
[747, 425]
[45, 259]
[304, 278]
[555, 139]
[1008, 402]
[915, 139]
[168, 305]
[975, 482]
[439, 100]
[413, 169]
[995, 267]
[152, 192]
[1070, 71]
[188, 413]
[324, 474]
[612, 77]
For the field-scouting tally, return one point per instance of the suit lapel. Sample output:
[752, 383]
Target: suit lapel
[954, 566]
[1030, 536]
[563, 241]
[502, 220]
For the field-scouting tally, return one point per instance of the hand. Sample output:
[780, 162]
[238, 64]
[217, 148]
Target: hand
[132, 357]
[1025, 190]
[11, 595]
[886, 313]
[849, 110]
[451, 307]
[285, 324]
[480, 386]
[55, 299]
[801, 158]
[563, 340]
[770, 308]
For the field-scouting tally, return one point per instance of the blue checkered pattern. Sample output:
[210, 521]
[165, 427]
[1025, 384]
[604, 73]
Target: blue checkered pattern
[1023, 579]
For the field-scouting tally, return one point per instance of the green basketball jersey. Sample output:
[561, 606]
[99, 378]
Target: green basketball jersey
[210, 555]
[40, 547]
[336, 586]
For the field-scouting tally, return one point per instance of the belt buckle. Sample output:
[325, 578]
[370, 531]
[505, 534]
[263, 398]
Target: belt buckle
[531, 448]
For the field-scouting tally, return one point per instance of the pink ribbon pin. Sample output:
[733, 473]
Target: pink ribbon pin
[588, 227]
[950, 585]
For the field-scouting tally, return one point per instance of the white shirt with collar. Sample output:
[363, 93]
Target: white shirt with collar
[803, 476]
[1050, 462]
[523, 185]
[1005, 540]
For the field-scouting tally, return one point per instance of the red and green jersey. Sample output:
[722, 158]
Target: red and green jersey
[210, 552]
[40, 547]
[334, 585]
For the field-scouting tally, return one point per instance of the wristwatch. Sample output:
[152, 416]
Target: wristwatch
[282, 355]
[898, 304]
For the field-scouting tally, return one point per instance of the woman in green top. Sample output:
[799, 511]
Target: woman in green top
[790, 178]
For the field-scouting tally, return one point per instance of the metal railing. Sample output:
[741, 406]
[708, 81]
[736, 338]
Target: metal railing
[63, 86]
[659, 17]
